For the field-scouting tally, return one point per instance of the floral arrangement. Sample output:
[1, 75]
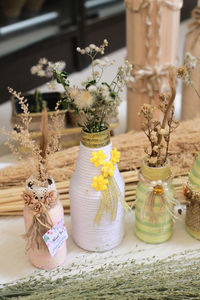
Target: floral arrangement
[106, 183]
[96, 101]
[159, 132]
[40, 194]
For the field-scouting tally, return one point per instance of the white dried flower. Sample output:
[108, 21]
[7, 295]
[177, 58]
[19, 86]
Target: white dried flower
[153, 160]
[96, 62]
[59, 66]
[43, 61]
[52, 85]
[104, 87]
[41, 73]
[84, 100]
[96, 74]
[190, 61]
[162, 131]
[87, 49]
[105, 42]
[92, 89]
[154, 137]
[74, 93]
[34, 70]
[155, 148]
[92, 46]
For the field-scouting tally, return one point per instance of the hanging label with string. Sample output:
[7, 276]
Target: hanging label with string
[55, 237]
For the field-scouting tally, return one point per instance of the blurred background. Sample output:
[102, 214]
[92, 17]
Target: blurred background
[31, 29]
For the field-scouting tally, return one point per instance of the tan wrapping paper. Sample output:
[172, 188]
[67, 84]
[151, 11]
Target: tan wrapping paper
[152, 36]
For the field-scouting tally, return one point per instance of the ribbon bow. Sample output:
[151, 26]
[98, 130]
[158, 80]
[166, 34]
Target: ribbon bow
[41, 218]
[157, 188]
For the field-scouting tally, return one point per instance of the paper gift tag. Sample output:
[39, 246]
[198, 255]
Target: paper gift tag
[55, 237]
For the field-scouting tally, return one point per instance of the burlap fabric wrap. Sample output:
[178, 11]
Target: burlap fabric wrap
[152, 35]
[39, 200]
[192, 194]
[193, 215]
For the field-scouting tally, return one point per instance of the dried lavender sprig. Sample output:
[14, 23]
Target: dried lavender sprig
[175, 277]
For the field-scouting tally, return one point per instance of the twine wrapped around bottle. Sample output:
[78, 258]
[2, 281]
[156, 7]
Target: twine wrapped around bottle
[192, 194]
[157, 188]
[42, 221]
[42, 211]
[96, 225]
[154, 204]
[192, 219]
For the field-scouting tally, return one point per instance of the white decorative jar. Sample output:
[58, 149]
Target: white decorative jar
[85, 201]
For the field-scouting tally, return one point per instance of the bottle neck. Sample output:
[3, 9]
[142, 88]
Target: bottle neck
[95, 140]
[161, 173]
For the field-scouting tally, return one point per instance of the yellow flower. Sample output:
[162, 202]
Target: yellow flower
[108, 169]
[115, 156]
[99, 183]
[98, 158]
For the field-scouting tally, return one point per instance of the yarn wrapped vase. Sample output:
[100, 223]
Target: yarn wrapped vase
[39, 219]
[154, 205]
[86, 202]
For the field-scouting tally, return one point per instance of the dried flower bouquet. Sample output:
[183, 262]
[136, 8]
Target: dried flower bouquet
[96, 101]
[159, 132]
[154, 193]
[96, 187]
[43, 208]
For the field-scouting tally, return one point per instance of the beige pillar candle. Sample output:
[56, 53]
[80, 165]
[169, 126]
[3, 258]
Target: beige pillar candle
[152, 36]
[190, 100]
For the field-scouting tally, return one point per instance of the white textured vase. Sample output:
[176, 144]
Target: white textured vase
[85, 201]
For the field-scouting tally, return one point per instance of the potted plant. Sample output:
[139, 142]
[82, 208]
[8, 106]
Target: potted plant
[38, 100]
[154, 193]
